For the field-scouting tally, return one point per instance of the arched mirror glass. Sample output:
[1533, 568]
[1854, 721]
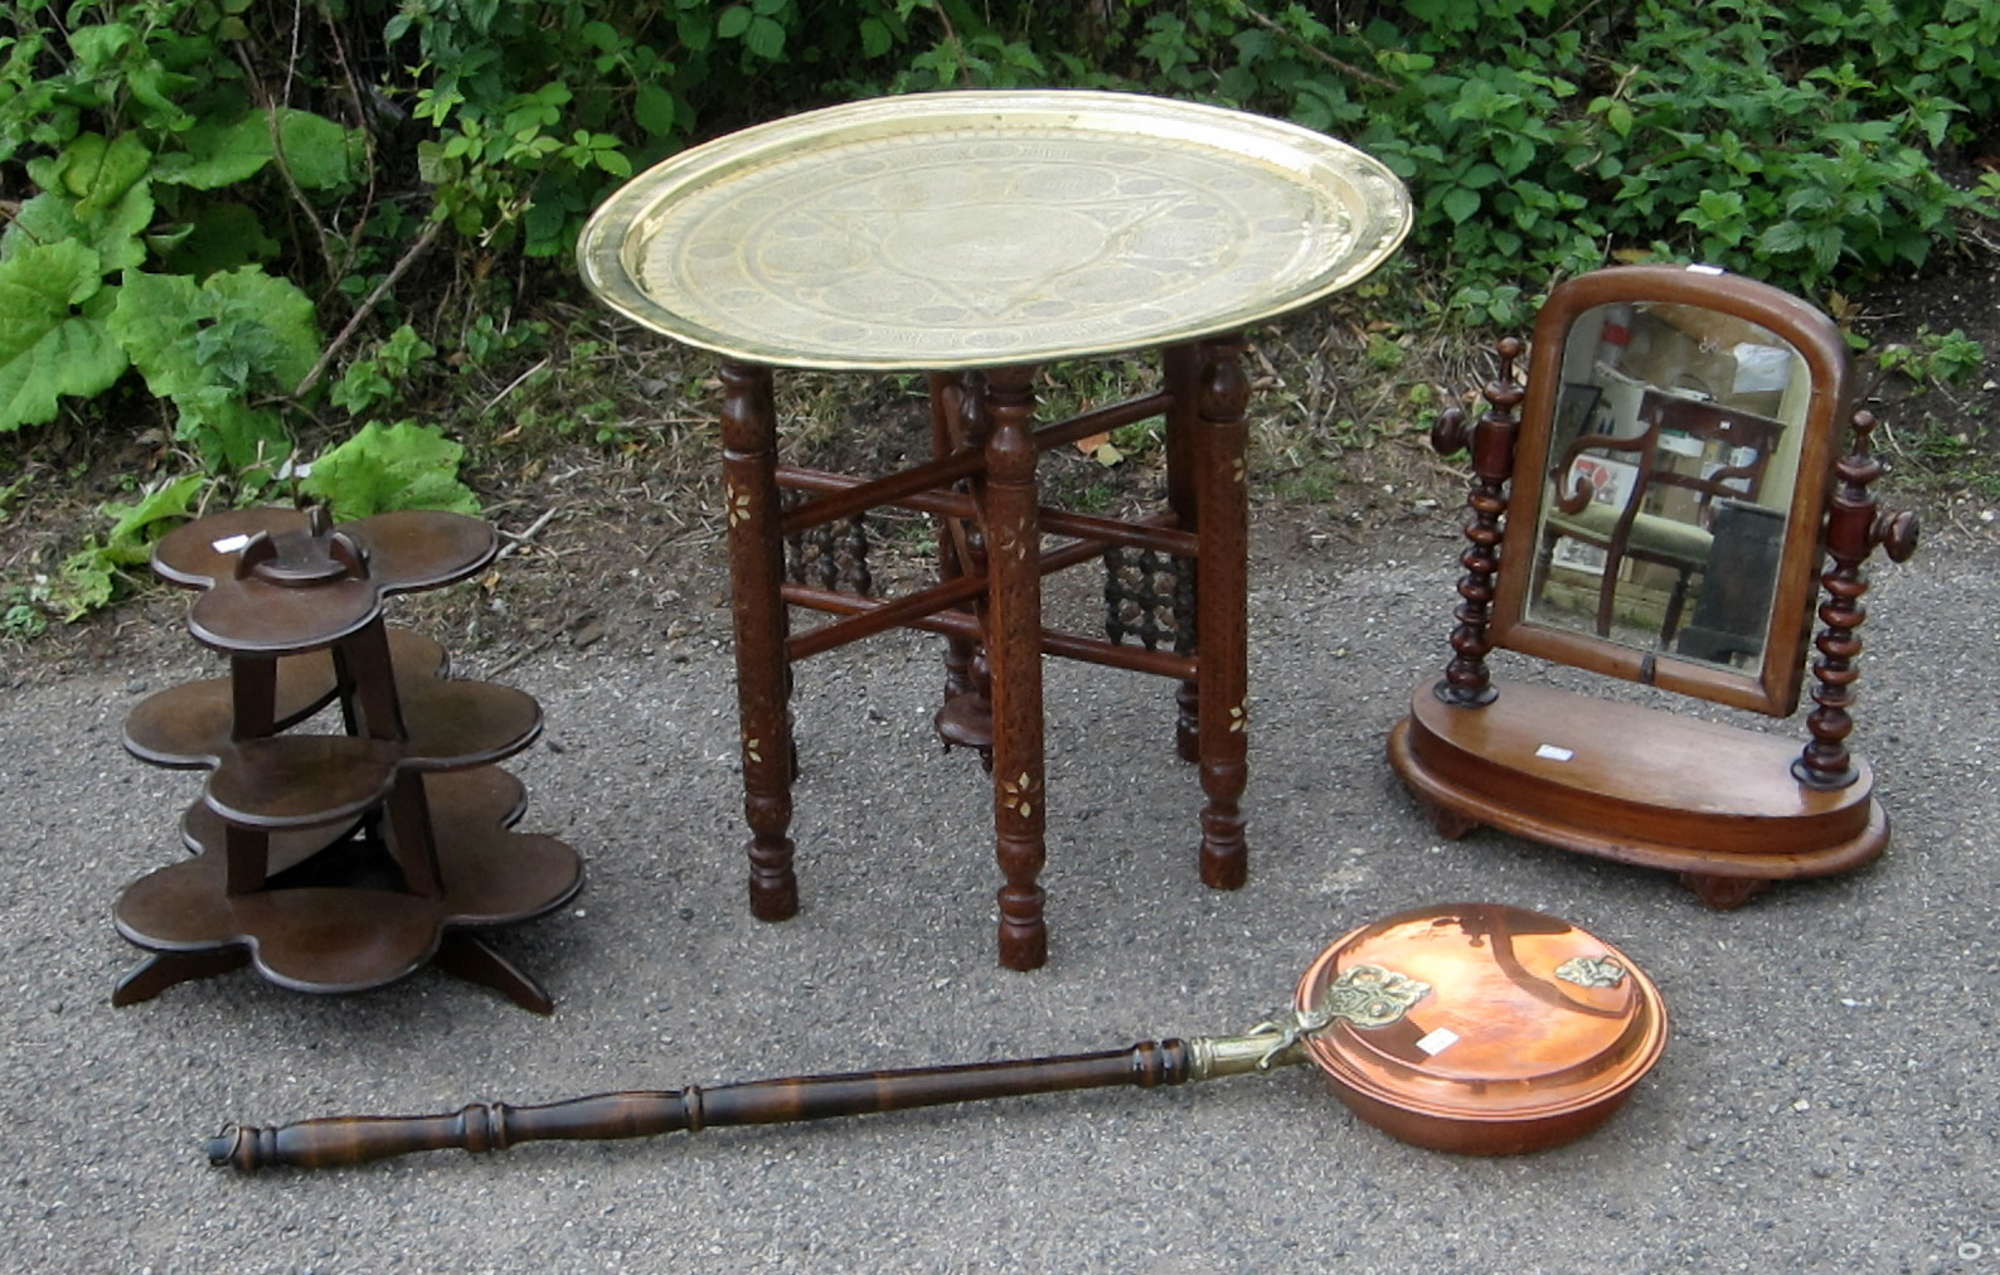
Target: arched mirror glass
[1669, 481]
[1674, 451]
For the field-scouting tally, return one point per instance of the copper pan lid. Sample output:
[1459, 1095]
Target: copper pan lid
[1489, 1028]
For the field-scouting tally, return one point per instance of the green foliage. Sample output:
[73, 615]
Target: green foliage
[1786, 141]
[53, 339]
[1948, 358]
[207, 187]
[22, 619]
[209, 348]
[1383, 353]
[123, 256]
[90, 577]
[379, 377]
[402, 466]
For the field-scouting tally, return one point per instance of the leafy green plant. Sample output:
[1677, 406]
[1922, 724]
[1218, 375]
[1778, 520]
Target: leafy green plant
[212, 350]
[90, 577]
[1935, 359]
[23, 618]
[208, 187]
[135, 249]
[383, 468]
[53, 338]
[380, 377]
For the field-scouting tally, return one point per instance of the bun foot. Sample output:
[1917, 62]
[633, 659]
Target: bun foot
[1724, 893]
[1449, 823]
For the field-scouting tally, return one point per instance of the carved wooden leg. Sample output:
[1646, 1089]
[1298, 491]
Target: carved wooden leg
[1014, 657]
[1854, 526]
[1724, 893]
[756, 575]
[1222, 597]
[1182, 375]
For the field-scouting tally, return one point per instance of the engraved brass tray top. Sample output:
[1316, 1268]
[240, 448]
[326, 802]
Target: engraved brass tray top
[955, 230]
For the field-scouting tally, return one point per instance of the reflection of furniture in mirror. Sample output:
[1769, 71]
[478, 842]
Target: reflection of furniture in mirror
[1681, 426]
[1627, 524]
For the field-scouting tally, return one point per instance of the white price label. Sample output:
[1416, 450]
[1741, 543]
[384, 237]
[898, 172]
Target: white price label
[1554, 753]
[1438, 1041]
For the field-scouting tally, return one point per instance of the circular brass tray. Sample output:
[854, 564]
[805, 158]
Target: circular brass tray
[954, 230]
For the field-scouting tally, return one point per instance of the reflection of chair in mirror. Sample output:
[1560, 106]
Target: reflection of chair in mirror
[1624, 526]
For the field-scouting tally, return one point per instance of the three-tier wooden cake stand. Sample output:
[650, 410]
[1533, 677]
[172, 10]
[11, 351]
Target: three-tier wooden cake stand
[334, 862]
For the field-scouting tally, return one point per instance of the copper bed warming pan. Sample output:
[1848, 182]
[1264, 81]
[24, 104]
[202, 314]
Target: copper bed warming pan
[1472, 1027]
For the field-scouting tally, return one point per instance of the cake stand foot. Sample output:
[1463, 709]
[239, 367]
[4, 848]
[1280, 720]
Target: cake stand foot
[164, 969]
[468, 957]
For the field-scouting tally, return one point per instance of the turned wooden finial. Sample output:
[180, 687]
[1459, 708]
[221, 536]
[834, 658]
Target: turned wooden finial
[1448, 433]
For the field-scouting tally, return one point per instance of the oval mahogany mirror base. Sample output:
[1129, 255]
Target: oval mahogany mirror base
[1715, 803]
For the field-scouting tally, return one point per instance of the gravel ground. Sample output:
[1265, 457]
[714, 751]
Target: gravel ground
[1827, 1101]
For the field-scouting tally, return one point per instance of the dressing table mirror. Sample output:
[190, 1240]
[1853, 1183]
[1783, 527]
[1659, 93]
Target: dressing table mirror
[1684, 485]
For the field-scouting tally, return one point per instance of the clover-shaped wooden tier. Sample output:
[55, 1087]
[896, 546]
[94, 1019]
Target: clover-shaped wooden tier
[333, 918]
[299, 592]
[309, 781]
[335, 862]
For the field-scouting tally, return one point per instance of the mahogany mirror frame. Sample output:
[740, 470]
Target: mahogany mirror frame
[1774, 686]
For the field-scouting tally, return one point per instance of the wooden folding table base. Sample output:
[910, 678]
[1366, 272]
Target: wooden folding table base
[981, 486]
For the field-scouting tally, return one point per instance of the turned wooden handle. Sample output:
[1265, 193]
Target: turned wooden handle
[344, 1140]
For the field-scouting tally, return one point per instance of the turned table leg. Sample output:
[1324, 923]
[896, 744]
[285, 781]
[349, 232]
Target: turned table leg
[1182, 375]
[965, 720]
[1446, 822]
[756, 576]
[1014, 656]
[1222, 600]
[958, 651]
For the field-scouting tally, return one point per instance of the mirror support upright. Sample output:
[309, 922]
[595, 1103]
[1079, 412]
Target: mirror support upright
[1466, 683]
[1854, 526]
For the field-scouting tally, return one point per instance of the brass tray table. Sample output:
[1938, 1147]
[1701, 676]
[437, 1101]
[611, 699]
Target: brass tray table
[972, 236]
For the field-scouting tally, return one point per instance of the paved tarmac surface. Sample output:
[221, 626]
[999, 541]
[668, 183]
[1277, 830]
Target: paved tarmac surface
[1827, 1102]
